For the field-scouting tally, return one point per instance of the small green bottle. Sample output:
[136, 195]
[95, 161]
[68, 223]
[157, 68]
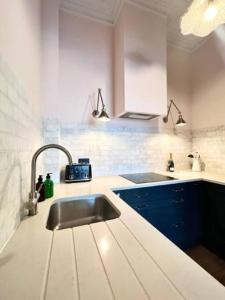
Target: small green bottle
[48, 186]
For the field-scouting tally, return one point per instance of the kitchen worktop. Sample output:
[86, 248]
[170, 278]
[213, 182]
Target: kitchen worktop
[125, 258]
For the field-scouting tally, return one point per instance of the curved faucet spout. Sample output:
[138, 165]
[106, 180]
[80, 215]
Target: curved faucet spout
[33, 197]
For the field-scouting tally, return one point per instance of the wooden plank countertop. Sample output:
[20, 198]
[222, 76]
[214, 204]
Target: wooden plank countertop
[125, 258]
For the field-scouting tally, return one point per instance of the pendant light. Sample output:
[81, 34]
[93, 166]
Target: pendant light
[101, 115]
[180, 122]
[202, 17]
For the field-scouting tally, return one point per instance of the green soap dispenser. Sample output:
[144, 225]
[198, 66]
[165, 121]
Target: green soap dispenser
[48, 186]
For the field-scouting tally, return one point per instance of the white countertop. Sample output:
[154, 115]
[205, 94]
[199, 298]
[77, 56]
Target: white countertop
[125, 258]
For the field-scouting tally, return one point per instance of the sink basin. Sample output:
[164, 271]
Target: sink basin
[77, 211]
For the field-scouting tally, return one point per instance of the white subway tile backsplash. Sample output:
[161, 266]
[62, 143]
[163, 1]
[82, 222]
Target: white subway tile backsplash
[210, 143]
[117, 149]
[20, 135]
[3, 85]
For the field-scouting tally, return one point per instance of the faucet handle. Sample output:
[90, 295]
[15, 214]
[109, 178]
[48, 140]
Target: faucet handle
[31, 205]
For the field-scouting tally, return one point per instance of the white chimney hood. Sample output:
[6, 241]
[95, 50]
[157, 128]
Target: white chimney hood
[140, 64]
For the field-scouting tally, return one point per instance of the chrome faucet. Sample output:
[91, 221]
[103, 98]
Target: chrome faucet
[34, 195]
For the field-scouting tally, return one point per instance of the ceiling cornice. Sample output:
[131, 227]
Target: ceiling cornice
[107, 12]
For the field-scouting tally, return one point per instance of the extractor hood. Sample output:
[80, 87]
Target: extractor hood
[140, 64]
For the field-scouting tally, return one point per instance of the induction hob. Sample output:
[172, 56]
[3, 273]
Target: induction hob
[146, 177]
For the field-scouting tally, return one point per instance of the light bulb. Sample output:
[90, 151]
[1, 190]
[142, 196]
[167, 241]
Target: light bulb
[104, 119]
[210, 13]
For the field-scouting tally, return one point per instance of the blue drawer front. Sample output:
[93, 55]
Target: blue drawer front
[157, 196]
[173, 209]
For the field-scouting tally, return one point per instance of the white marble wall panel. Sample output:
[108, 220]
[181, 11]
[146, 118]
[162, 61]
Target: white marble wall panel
[210, 143]
[116, 149]
[20, 135]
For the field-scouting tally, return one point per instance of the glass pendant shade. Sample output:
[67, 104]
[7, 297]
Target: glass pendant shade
[202, 17]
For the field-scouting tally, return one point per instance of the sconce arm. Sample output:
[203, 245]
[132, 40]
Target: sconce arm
[169, 109]
[100, 98]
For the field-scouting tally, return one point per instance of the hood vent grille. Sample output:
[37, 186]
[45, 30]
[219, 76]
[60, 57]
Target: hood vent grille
[138, 116]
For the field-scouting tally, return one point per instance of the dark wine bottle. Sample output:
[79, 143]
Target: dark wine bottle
[170, 165]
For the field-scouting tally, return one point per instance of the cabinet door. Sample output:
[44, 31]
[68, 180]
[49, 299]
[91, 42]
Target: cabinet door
[181, 219]
[173, 209]
[193, 214]
[168, 221]
[214, 217]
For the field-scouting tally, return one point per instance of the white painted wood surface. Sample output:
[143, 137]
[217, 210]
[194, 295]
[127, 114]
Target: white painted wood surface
[93, 280]
[23, 263]
[124, 282]
[62, 281]
[146, 269]
[125, 258]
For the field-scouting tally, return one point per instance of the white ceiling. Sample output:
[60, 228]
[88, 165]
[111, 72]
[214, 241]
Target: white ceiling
[108, 10]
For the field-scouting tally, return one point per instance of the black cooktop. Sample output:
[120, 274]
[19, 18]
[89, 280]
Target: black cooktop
[146, 177]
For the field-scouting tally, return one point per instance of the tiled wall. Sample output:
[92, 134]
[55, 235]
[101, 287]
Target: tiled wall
[210, 143]
[20, 135]
[116, 149]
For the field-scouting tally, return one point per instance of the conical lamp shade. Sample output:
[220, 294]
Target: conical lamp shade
[180, 121]
[202, 17]
[103, 116]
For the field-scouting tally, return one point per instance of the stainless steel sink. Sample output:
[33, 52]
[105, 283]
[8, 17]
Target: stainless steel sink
[77, 211]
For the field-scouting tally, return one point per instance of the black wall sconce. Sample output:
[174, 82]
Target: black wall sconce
[101, 115]
[180, 122]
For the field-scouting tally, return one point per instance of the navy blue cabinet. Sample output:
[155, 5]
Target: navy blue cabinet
[187, 213]
[174, 209]
[214, 218]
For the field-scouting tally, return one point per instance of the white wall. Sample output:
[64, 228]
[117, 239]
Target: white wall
[20, 123]
[86, 64]
[20, 36]
[208, 101]
[178, 83]
[195, 81]
[50, 57]
[208, 82]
